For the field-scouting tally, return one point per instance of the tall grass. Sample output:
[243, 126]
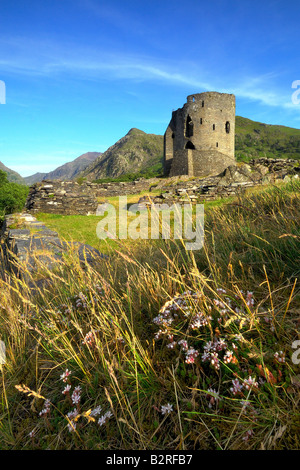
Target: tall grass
[139, 333]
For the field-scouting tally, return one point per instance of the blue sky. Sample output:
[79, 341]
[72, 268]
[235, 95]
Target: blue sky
[80, 74]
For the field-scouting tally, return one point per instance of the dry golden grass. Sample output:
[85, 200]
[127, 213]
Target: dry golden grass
[97, 322]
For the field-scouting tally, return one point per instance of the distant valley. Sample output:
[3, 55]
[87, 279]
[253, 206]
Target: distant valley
[68, 171]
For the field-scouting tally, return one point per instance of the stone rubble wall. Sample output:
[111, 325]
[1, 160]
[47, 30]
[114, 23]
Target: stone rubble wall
[234, 180]
[70, 198]
[57, 197]
[28, 246]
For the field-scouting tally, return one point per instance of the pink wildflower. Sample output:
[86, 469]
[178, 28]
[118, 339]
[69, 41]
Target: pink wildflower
[171, 345]
[248, 434]
[166, 409]
[66, 389]
[46, 409]
[279, 357]
[76, 395]
[72, 415]
[184, 344]
[64, 377]
[102, 420]
[237, 387]
[250, 383]
[213, 397]
[191, 355]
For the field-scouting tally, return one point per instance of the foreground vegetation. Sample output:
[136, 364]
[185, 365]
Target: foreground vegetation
[12, 196]
[157, 347]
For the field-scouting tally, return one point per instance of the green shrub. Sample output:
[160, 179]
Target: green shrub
[12, 195]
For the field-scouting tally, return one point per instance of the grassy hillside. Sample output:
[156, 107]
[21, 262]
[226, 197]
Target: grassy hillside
[160, 348]
[255, 139]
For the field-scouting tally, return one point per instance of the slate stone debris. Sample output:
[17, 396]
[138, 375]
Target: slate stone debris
[37, 244]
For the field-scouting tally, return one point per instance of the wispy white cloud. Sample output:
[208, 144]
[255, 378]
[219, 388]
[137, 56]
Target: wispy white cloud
[52, 61]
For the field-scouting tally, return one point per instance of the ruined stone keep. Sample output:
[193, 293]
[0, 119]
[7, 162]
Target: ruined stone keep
[200, 137]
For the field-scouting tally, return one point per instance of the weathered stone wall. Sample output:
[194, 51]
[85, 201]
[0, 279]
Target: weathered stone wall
[71, 198]
[122, 188]
[61, 198]
[232, 181]
[206, 126]
[27, 246]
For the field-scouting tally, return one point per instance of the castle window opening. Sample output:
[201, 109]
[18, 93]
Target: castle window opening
[227, 127]
[217, 144]
[203, 104]
[173, 135]
[190, 145]
[214, 127]
[201, 121]
[189, 127]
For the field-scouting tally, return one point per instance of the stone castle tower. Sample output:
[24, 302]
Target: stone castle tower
[200, 137]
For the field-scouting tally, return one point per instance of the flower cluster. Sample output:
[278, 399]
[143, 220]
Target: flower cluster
[248, 384]
[102, 420]
[213, 397]
[71, 417]
[166, 409]
[279, 357]
[46, 409]
[75, 399]
[237, 387]
[76, 395]
[96, 411]
[226, 305]
[269, 320]
[65, 376]
[184, 344]
[212, 350]
[199, 319]
[212, 334]
[81, 301]
[248, 435]
[191, 355]
[178, 309]
[66, 390]
[89, 339]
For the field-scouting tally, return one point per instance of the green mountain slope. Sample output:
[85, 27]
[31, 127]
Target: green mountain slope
[255, 139]
[12, 175]
[136, 152]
